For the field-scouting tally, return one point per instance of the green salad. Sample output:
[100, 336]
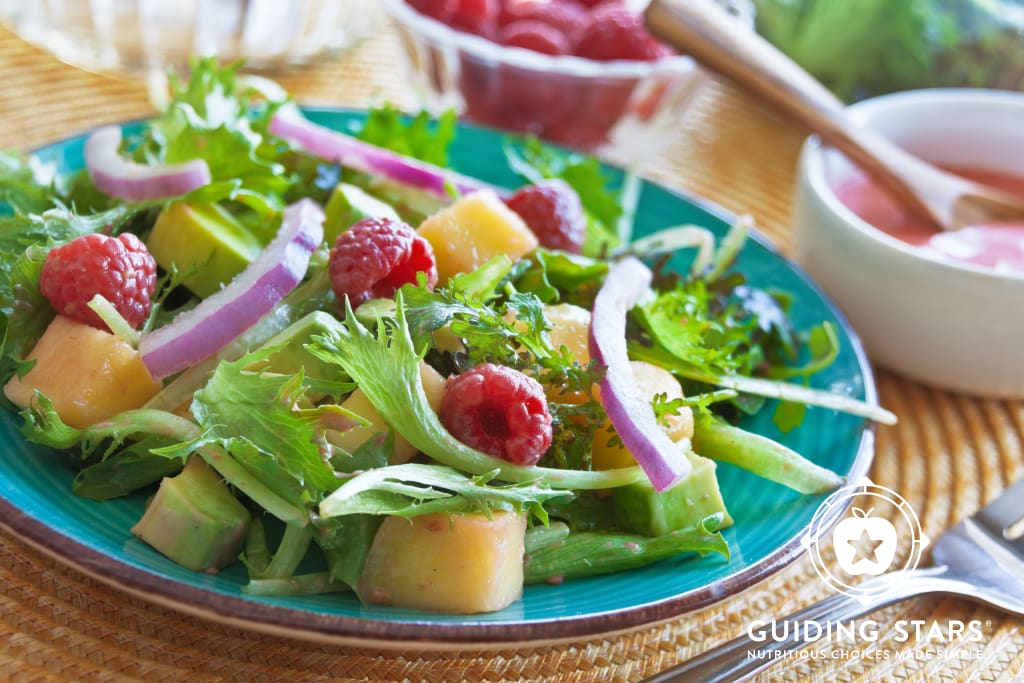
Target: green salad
[320, 348]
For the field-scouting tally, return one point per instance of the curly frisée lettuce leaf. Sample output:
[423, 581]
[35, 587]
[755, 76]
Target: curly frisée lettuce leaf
[413, 489]
[26, 184]
[421, 136]
[252, 416]
[211, 117]
[385, 365]
[117, 454]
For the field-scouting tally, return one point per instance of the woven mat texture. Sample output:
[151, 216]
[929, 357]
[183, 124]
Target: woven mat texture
[948, 455]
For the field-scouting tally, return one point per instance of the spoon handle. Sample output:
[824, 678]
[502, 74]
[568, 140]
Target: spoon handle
[710, 35]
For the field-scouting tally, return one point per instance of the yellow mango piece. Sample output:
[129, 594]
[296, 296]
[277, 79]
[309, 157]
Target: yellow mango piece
[88, 374]
[456, 564]
[608, 453]
[473, 230]
[433, 385]
[570, 327]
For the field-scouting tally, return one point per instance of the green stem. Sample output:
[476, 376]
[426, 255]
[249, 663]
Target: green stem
[147, 420]
[239, 477]
[294, 546]
[762, 456]
[592, 553]
[257, 554]
[114, 320]
[540, 536]
[783, 391]
[304, 584]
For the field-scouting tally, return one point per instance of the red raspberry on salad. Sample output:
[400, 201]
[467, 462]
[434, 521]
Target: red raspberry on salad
[616, 32]
[500, 411]
[375, 257]
[552, 210]
[121, 269]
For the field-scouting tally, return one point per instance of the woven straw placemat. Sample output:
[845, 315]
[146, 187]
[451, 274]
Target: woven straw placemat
[948, 455]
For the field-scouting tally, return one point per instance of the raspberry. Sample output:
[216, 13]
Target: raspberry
[476, 16]
[442, 10]
[375, 257]
[566, 17]
[119, 268]
[499, 411]
[552, 210]
[614, 32]
[533, 35]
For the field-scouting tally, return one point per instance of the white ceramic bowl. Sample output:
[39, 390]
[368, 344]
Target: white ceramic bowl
[952, 325]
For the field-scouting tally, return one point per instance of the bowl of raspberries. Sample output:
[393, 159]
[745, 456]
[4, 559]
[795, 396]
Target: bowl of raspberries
[585, 74]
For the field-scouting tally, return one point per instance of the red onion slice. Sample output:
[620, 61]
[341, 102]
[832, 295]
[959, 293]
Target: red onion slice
[118, 177]
[289, 124]
[630, 413]
[221, 317]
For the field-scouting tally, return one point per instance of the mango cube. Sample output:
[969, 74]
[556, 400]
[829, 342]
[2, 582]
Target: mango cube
[473, 230]
[570, 327]
[88, 374]
[457, 564]
[433, 385]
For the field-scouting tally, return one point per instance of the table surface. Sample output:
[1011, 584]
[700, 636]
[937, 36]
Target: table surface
[948, 455]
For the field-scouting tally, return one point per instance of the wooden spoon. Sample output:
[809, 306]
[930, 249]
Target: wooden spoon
[704, 30]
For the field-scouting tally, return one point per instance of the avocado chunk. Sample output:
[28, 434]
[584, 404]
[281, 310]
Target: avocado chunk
[349, 204]
[643, 510]
[203, 241]
[194, 519]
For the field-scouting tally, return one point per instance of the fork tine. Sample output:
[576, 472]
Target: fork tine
[1004, 512]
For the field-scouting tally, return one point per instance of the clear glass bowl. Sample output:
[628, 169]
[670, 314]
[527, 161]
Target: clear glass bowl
[152, 34]
[622, 110]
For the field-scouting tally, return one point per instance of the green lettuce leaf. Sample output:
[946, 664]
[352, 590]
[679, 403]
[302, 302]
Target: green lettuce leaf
[420, 136]
[413, 489]
[251, 415]
[27, 185]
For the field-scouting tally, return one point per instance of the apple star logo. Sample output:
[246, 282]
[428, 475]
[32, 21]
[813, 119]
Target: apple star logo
[863, 539]
[848, 541]
[867, 547]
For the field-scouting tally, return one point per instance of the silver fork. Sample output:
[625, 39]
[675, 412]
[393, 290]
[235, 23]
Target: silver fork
[981, 558]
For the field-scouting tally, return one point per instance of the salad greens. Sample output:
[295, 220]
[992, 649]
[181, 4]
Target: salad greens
[319, 424]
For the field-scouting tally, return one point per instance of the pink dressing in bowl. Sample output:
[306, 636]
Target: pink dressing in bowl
[999, 246]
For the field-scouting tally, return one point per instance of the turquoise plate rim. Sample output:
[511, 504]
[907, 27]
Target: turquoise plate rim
[427, 632]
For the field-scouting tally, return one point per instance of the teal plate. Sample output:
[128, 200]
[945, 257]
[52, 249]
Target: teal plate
[36, 502]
